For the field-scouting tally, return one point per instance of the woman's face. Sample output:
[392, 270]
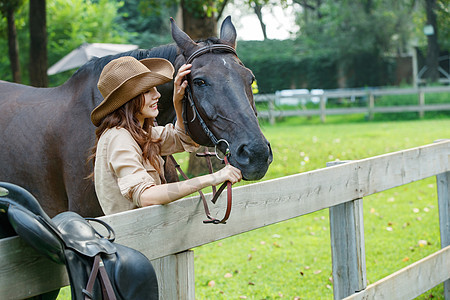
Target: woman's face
[150, 109]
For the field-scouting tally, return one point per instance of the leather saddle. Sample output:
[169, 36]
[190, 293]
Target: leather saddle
[97, 267]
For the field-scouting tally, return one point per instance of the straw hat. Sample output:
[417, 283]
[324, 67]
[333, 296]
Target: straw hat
[124, 78]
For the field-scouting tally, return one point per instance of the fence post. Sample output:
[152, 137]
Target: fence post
[322, 108]
[271, 110]
[347, 246]
[176, 276]
[421, 103]
[443, 190]
[371, 105]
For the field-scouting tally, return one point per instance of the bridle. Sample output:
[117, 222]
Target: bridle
[189, 98]
[189, 102]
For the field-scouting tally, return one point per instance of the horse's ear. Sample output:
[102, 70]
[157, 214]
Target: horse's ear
[228, 32]
[183, 41]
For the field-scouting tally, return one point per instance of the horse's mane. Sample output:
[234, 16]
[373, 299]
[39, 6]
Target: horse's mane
[95, 65]
[170, 51]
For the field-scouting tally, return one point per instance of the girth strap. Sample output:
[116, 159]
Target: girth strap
[107, 289]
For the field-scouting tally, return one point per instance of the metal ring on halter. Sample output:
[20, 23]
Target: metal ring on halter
[226, 151]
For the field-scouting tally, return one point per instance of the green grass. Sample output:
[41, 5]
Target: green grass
[293, 258]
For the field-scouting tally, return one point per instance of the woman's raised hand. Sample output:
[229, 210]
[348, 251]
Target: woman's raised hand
[179, 84]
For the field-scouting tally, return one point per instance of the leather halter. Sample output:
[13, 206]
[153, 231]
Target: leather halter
[189, 100]
[210, 49]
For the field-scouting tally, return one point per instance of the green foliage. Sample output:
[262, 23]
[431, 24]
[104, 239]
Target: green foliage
[443, 20]
[10, 5]
[21, 18]
[69, 24]
[72, 23]
[358, 37]
[149, 28]
[287, 64]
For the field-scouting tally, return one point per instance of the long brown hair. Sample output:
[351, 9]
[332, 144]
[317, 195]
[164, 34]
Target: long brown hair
[125, 117]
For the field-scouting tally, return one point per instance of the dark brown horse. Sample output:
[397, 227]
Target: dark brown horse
[46, 133]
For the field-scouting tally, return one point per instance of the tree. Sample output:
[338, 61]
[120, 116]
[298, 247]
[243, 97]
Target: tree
[7, 9]
[150, 27]
[199, 16]
[38, 44]
[432, 59]
[357, 35]
[72, 23]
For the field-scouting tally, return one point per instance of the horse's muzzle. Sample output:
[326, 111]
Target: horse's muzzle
[252, 159]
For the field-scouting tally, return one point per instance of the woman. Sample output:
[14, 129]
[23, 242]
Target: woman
[128, 167]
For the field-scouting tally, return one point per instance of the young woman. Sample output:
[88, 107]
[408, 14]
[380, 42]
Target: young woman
[128, 167]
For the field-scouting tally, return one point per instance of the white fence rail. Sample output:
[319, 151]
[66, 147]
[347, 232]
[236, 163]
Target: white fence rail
[272, 99]
[165, 233]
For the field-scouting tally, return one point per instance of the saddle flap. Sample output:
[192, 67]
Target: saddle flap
[80, 236]
[36, 233]
[24, 214]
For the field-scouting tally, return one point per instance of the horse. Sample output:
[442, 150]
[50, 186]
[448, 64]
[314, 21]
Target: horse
[46, 133]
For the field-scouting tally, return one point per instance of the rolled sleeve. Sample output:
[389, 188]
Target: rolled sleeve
[174, 140]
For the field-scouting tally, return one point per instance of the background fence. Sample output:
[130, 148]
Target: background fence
[165, 233]
[321, 97]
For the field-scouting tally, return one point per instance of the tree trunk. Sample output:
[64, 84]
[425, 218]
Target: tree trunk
[38, 44]
[432, 59]
[197, 24]
[13, 46]
[257, 8]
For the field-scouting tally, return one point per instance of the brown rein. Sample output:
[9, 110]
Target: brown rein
[216, 193]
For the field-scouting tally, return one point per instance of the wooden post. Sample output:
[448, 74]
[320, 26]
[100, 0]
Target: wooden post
[176, 276]
[322, 109]
[443, 190]
[421, 103]
[271, 111]
[347, 247]
[371, 105]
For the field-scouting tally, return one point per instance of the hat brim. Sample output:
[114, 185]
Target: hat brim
[161, 72]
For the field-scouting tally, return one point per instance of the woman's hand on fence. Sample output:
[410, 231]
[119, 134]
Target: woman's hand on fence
[228, 173]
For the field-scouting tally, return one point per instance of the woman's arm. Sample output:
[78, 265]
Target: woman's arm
[179, 86]
[166, 193]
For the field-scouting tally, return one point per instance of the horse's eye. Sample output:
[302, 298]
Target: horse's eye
[199, 82]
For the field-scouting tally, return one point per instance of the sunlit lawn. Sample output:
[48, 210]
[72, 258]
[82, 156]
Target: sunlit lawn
[293, 259]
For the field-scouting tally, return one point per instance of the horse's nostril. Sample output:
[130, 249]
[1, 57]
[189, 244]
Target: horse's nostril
[243, 155]
[270, 158]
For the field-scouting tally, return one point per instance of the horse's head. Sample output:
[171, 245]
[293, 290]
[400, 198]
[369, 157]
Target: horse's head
[221, 92]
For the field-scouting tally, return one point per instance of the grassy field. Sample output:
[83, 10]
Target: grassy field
[292, 259]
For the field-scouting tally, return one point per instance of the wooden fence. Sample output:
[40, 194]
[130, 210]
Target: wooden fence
[421, 107]
[166, 233]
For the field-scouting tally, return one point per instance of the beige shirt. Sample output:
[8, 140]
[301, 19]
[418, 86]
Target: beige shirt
[121, 174]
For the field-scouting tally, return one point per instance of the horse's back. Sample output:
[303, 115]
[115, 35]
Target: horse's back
[42, 133]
